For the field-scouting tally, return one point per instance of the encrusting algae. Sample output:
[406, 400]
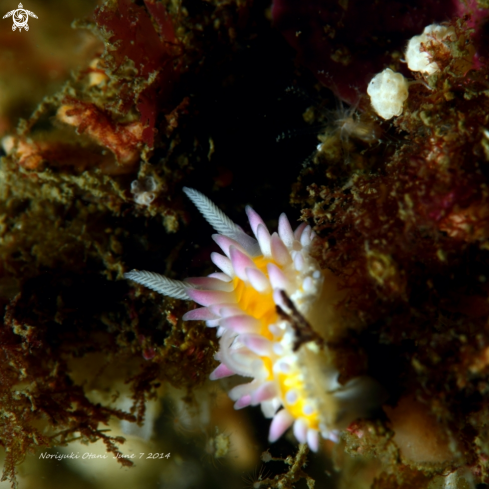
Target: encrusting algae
[365, 330]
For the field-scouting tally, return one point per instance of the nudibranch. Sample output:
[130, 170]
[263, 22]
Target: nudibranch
[264, 283]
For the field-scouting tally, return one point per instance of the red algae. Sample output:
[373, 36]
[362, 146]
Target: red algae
[131, 30]
[145, 37]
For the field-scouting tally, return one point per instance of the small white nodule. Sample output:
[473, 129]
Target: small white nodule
[418, 58]
[388, 91]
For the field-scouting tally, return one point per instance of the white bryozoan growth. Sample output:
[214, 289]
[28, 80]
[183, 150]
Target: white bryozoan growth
[418, 57]
[388, 91]
[294, 383]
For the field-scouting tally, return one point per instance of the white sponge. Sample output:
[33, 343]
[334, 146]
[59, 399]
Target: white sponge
[418, 60]
[388, 91]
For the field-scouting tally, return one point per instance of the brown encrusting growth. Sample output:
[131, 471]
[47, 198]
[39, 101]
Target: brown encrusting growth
[404, 226]
[70, 228]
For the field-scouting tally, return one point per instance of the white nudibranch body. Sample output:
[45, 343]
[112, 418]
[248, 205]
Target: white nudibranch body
[295, 385]
[388, 91]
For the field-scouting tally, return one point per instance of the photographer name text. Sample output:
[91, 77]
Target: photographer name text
[90, 455]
